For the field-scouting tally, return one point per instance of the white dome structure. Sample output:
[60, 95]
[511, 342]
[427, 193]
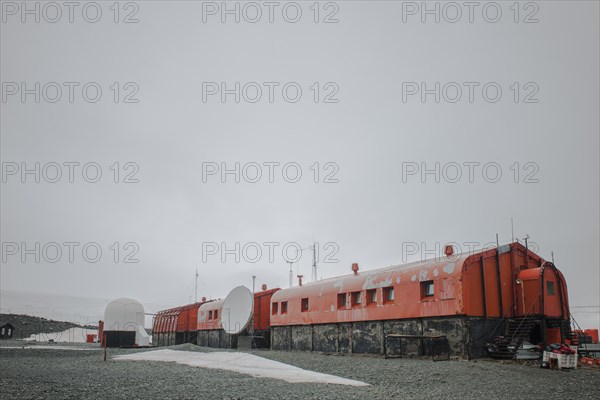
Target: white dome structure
[124, 324]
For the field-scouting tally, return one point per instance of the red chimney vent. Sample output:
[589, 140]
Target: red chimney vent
[355, 268]
[448, 250]
[300, 280]
[264, 286]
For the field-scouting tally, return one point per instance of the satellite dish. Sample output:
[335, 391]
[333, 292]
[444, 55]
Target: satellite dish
[237, 310]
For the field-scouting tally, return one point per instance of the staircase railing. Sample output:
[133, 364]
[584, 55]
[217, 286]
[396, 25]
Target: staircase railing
[524, 318]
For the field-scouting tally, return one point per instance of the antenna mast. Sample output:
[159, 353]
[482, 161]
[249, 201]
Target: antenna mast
[196, 287]
[314, 266]
[291, 273]
[512, 230]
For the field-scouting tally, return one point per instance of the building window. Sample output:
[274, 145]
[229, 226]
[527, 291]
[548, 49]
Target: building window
[550, 286]
[216, 314]
[304, 304]
[341, 300]
[210, 315]
[427, 289]
[371, 296]
[275, 307]
[356, 299]
[284, 307]
[388, 294]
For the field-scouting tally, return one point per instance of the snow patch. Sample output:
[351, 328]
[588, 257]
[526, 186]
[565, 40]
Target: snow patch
[72, 335]
[52, 348]
[242, 363]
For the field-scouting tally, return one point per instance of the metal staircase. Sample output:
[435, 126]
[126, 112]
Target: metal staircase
[517, 332]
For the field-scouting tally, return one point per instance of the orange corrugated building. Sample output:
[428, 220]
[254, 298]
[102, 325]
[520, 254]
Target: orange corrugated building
[176, 325]
[468, 298]
[210, 332]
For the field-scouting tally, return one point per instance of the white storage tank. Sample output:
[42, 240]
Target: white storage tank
[124, 324]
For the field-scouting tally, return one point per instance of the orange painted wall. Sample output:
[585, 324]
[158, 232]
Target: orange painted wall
[480, 285]
[204, 312]
[262, 309]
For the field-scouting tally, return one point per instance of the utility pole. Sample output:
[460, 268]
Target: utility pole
[314, 266]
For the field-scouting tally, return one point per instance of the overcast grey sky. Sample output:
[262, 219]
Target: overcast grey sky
[367, 72]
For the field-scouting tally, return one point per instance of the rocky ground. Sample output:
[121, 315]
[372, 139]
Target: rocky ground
[65, 374]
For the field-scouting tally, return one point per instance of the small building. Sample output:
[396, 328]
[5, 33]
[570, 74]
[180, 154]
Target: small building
[124, 324]
[6, 331]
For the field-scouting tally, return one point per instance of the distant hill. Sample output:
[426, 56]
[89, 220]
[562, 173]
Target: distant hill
[27, 325]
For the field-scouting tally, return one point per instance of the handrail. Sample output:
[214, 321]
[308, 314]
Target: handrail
[524, 317]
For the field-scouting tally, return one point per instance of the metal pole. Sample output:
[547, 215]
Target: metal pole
[512, 230]
[314, 271]
[196, 287]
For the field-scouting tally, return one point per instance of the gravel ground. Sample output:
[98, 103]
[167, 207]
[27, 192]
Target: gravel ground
[66, 374]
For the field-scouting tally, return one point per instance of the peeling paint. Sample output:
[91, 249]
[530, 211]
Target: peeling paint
[423, 275]
[332, 308]
[340, 285]
[398, 280]
[370, 283]
[449, 268]
[436, 272]
[413, 278]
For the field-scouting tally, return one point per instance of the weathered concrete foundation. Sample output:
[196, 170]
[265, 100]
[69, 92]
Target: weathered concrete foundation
[465, 337]
[173, 338]
[216, 338]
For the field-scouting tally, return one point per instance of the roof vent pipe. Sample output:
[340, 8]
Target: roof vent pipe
[448, 250]
[264, 286]
[355, 268]
[300, 280]
[203, 299]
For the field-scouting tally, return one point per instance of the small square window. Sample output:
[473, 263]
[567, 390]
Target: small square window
[388, 294]
[427, 289]
[210, 315]
[216, 314]
[550, 286]
[275, 308]
[356, 299]
[341, 300]
[304, 304]
[284, 307]
[371, 296]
